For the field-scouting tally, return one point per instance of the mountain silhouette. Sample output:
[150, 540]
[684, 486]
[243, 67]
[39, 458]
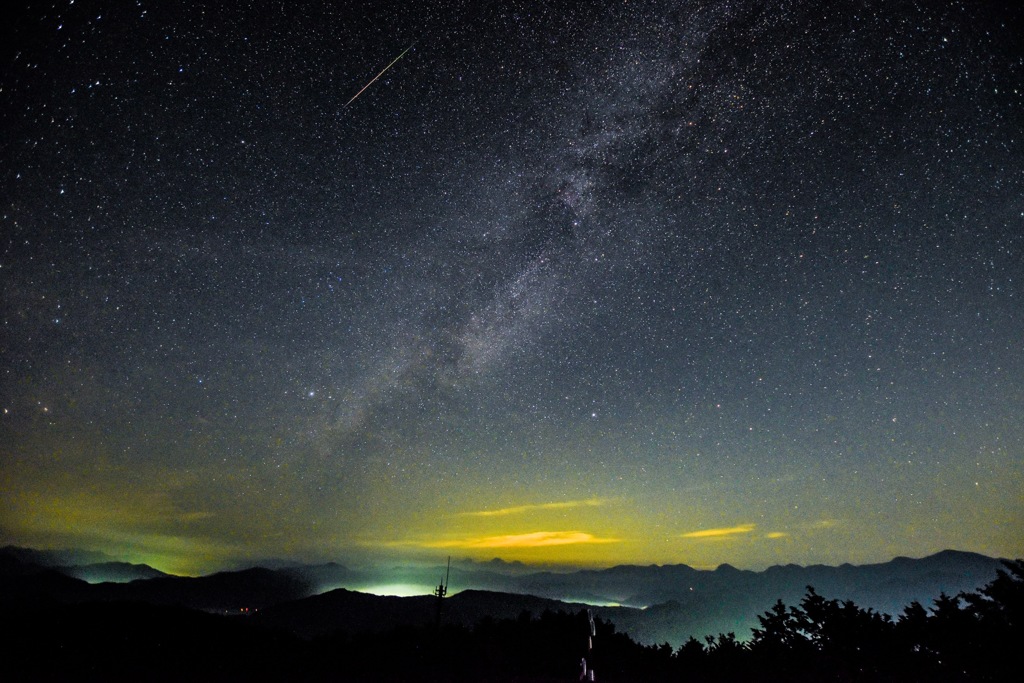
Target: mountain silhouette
[653, 603]
[112, 572]
[347, 612]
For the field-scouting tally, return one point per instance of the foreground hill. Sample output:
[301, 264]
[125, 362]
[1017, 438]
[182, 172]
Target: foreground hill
[348, 612]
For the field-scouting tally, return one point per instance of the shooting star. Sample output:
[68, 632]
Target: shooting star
[378, 75]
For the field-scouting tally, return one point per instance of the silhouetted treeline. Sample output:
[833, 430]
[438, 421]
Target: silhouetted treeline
[968, 637]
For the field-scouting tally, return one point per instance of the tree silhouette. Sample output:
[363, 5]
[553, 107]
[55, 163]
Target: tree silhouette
[995, 616]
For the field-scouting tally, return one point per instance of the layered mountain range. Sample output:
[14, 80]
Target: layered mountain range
[654, 604]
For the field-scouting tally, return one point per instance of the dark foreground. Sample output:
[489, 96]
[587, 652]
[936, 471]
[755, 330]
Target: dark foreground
[969, 637]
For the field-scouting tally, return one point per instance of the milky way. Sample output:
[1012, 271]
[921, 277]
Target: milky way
[652, 281]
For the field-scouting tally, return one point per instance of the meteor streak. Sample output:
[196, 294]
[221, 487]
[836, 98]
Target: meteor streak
[378, 75]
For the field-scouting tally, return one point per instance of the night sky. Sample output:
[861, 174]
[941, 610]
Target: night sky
[569, 283]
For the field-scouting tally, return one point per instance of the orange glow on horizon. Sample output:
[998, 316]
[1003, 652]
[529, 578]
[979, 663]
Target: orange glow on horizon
[721, 532]
[535, 539]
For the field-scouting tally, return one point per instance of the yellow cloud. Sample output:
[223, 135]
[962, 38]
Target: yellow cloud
[520, 509]
[776, 534]
[721, 532]
[535, 539]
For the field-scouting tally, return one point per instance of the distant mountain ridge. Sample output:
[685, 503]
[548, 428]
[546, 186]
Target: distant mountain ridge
[653, 603]
[54, 558]
[112, 572]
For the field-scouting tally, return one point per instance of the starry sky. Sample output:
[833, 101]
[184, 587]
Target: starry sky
[569, 283]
